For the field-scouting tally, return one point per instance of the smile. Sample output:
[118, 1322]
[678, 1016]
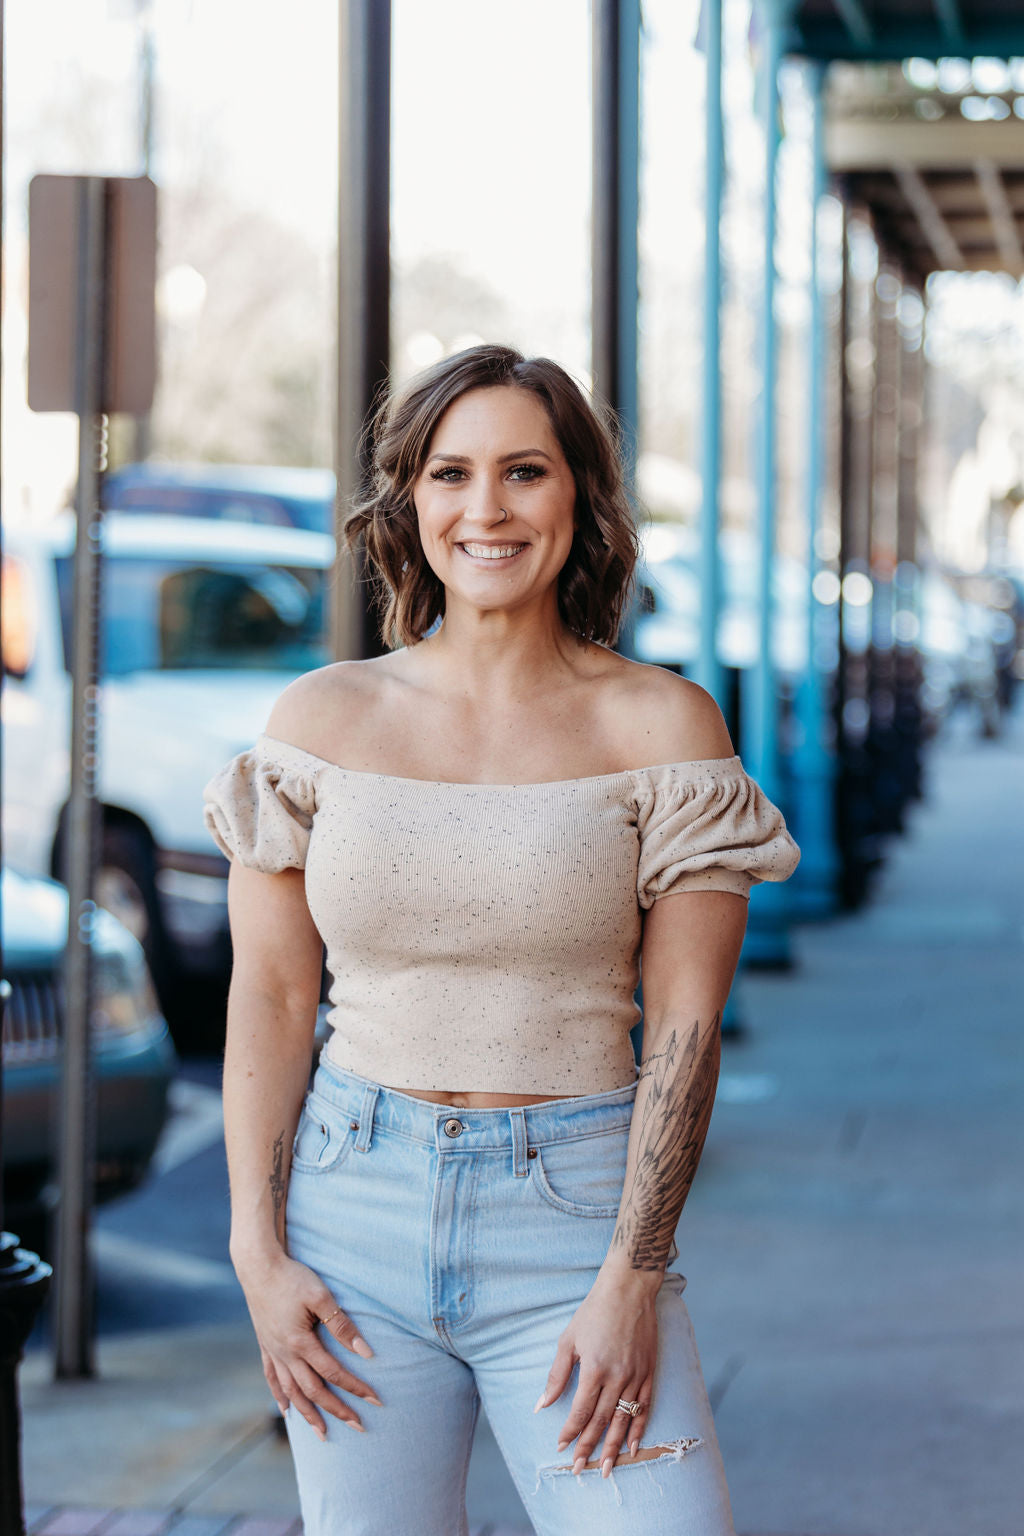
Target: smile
[491, 551]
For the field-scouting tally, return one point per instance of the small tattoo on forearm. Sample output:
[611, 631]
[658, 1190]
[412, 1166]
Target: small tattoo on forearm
[277, 1174]
[676, 1094]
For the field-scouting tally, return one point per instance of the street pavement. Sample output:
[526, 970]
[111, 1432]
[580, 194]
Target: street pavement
[853, 1242]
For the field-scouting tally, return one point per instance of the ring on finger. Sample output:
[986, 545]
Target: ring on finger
[625, 1406]
[330, 1316]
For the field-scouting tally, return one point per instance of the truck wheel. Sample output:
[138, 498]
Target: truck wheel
[126, 886]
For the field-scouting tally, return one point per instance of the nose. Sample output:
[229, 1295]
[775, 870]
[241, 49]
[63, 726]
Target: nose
[483, 505]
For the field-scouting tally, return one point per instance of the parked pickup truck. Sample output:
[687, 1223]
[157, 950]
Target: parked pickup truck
[204, 623]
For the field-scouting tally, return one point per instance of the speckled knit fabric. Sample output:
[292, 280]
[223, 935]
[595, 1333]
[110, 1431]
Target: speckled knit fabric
[485, 937]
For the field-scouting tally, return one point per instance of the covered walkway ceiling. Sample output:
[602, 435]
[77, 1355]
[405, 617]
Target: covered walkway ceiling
[879, 30]
[946, 193]
[941, 172]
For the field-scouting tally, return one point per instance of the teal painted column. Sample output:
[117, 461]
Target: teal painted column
[815, 887]
[767, 941]
[709, 672]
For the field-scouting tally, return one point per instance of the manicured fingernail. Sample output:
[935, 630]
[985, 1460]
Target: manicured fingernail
[540, 1402]
[353, 1425]
[373, 1398]
[606, 1466]
[634, 1447]
[562, 1443]
[362, 1348]
[321, 1431]
[579, 1464]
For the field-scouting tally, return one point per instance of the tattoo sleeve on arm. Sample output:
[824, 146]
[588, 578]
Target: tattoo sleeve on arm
[675, 1097]
[276, 1180]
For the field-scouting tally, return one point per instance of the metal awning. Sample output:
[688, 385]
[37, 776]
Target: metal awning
[946, 191]
[941, 171]
[870, 30]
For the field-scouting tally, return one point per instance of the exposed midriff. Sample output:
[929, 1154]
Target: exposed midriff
[478, 1100]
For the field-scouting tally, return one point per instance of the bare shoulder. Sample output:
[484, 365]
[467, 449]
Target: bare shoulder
[660, 717]
[307, 713]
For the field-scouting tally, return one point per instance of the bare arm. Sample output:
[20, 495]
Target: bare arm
[691, 948]
[272, 1004]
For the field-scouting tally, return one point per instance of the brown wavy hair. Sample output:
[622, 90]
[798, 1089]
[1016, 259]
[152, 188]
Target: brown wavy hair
[594, 585]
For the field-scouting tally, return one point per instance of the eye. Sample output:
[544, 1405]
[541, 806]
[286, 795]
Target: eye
[447, 473]
[527, 472]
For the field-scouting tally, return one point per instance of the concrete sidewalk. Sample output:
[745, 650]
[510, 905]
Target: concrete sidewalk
[853, 1243]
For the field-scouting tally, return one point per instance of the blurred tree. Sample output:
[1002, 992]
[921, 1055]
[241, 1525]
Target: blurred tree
[246, 358]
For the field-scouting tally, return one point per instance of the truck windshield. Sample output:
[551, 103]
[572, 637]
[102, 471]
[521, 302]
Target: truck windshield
[181, 615]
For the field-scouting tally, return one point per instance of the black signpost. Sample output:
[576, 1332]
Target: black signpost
[92, 269]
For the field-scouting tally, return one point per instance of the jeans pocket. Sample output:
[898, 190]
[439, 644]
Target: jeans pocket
[323, 1138]
[583, 1176]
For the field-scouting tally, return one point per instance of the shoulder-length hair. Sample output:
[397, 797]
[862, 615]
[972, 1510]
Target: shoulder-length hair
[594, 585]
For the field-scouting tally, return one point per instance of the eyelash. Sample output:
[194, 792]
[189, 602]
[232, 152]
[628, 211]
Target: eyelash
[441, 473]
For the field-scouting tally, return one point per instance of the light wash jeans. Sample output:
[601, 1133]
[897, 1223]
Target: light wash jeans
[460, 1242]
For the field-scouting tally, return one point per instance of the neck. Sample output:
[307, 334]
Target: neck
[500, 653]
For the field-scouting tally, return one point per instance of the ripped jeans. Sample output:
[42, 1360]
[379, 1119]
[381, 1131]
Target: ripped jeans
[461, 1242]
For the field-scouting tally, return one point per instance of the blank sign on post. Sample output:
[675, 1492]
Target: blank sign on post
[126, 294]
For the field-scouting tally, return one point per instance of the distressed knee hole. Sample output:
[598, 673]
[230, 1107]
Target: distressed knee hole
[669, 1450]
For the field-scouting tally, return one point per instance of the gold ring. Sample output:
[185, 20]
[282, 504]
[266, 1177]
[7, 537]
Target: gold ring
[624, 1406]
[326, 1320]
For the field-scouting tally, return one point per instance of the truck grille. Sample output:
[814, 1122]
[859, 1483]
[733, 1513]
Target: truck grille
[32, 1017]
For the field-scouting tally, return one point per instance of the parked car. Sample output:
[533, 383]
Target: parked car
[286, 498]
[204, 624]
[959, 652]
[134, 1060]
[667, 629]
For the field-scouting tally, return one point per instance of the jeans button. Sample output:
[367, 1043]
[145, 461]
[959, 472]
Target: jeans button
[453, 1127]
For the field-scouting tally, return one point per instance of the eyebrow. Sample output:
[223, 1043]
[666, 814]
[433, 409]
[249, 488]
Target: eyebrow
[506, 458]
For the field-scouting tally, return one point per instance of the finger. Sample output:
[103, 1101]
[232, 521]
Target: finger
[341, 1327]
[635, 1430]
[276, 1391]
[588, 1394]
[599, 1422]
[317, 1392]
[326, 1366]
[302, 1405]
[622, 1427]
[558, 1376]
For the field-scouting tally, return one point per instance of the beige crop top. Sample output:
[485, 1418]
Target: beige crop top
[485, 937]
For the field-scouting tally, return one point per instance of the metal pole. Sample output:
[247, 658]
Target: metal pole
[615, 54]
[143, 427]
[24, 1279]
[767, 940]
[364, 285]
[814, 760]
[709, 672]
[73, 1342]
[908, 656]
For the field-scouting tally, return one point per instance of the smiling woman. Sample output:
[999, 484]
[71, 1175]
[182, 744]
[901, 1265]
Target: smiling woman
[451, 467]
[489, 828]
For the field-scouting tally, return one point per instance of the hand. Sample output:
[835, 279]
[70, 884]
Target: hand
[614, 1336]
[287, 1302]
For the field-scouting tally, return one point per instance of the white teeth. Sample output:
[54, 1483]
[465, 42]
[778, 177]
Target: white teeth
[492, 551]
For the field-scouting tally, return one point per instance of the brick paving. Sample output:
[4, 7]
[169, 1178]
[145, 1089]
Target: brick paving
[81, 1521]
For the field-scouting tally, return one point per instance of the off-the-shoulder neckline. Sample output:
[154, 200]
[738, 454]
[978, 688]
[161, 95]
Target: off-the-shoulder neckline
[275, 746]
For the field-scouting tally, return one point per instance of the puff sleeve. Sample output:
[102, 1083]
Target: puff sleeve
[260, 813]
[707, 826]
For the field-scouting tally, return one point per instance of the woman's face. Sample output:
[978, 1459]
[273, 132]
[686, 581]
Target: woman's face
[494, 451]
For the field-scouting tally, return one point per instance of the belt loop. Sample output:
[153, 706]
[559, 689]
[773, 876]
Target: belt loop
[362, 1142]
[518, 1120]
